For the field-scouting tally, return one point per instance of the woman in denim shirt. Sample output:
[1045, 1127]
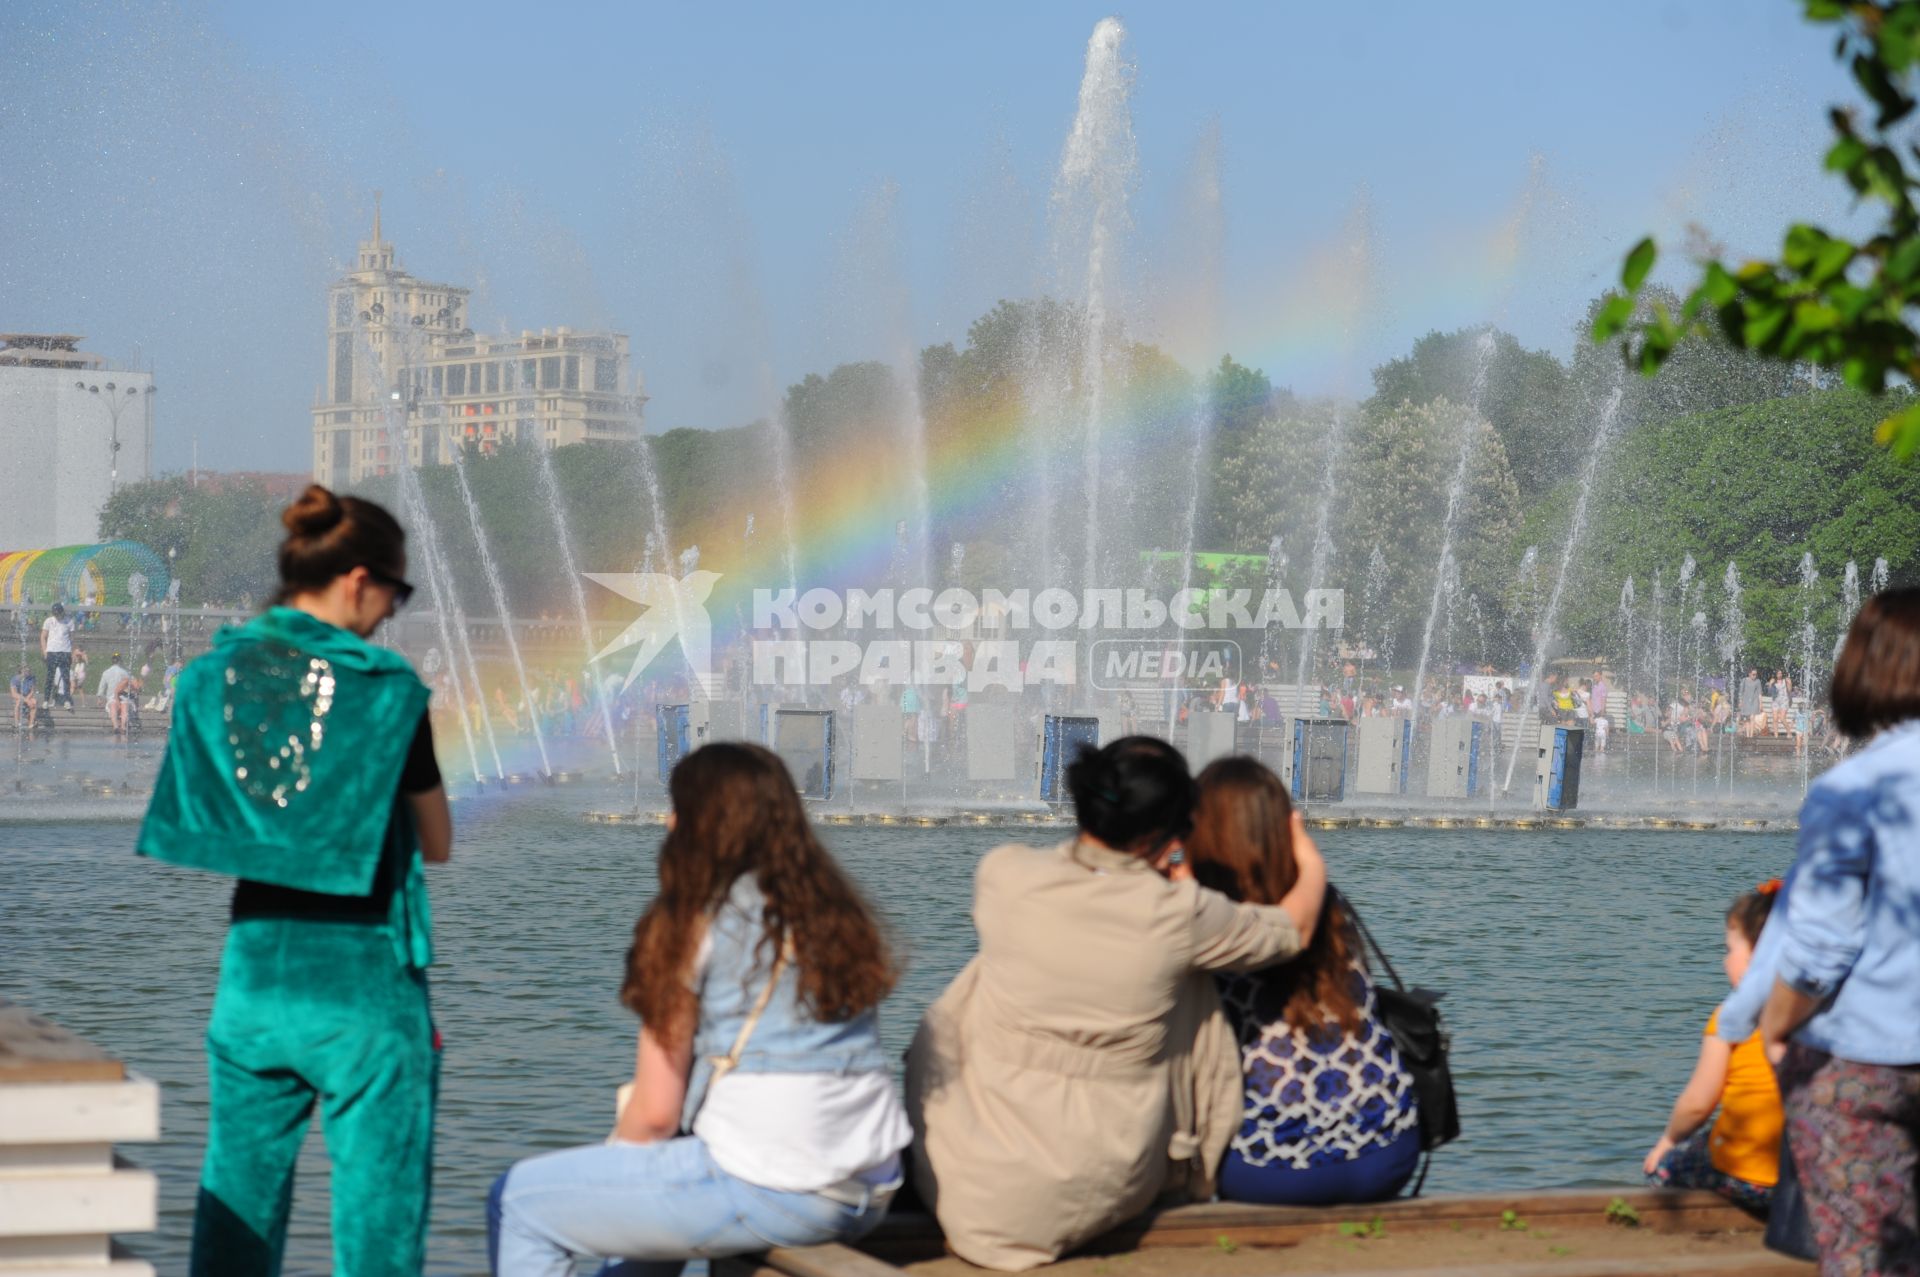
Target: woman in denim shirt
[1834, 987]
[762, 1111]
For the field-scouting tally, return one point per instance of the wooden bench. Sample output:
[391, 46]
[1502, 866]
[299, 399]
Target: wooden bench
[64, 1103]
[908, 1237]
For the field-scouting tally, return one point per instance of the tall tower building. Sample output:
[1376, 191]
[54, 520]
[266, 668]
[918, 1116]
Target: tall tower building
[405, 369]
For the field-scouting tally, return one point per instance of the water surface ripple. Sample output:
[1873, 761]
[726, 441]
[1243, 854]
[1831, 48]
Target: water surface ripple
[1579, 965]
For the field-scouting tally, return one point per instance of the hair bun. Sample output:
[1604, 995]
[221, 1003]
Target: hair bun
[315, 512]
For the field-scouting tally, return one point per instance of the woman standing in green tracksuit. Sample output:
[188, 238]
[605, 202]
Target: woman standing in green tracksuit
[300, 761]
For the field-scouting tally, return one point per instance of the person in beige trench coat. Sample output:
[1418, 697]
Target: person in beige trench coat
[1080, 1065]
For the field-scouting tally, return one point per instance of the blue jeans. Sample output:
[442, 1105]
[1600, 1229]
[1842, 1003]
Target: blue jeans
[664, 1203]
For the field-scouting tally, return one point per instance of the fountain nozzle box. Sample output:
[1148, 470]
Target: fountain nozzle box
[673, 727]
[1556, 778]
[1384, 755]
[1319, 760]
[1061, 738]
[1454, 757]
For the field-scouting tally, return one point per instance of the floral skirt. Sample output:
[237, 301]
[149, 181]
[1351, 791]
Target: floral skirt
[1855, 1133]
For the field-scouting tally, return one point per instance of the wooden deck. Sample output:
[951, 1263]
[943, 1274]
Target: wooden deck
[1711, 1238]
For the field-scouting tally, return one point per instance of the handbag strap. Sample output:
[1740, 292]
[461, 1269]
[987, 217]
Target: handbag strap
[725, 1064]
[1366, 938]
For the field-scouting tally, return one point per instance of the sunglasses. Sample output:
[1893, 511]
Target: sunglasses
[402, 590]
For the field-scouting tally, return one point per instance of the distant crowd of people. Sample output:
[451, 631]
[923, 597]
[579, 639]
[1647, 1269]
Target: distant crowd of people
[120, 694]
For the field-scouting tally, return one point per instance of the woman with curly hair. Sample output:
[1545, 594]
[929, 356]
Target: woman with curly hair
[761, 1111]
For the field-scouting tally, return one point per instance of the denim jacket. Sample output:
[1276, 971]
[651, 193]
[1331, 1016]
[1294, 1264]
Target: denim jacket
[1846, 929]
[787, 1039]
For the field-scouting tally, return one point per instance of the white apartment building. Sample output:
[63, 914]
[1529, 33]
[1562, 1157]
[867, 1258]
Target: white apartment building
[406, 369]
[71, 431]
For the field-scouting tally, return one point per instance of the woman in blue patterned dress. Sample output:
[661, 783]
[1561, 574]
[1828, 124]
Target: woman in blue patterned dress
[1329, 1108]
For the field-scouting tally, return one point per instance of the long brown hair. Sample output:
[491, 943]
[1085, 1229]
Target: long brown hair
[736, 812]
[1242, 847]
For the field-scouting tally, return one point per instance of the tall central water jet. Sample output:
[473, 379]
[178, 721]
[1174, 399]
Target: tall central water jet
[1097, 172]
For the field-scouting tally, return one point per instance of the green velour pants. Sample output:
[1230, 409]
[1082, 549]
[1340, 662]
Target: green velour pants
[308, 1012]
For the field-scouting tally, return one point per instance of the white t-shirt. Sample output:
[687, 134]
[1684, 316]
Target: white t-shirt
[111, 678]
[800, 1132]
[58, 633]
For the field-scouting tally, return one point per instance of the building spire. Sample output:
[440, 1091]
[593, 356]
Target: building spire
[376, 217]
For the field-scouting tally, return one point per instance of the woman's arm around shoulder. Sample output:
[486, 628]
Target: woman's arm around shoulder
[1245, 937]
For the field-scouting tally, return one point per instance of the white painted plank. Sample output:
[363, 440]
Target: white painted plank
[119, 1201]
[80, 1112]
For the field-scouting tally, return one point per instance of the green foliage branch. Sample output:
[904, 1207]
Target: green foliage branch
[1841, 305]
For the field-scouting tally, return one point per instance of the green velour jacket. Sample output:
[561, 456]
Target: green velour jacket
[283, 764]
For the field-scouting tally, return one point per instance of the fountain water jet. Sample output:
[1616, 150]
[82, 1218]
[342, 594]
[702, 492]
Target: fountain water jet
[491, 569]
[1482, 360]
[1849, 604]
[1576, 529]
[1097, 171]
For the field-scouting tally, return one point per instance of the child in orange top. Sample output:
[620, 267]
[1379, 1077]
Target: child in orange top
[1737, 1155]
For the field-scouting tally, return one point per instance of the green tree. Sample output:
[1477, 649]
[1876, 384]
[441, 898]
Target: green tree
[1240, 398]
[225, 534]
[1759, 486]
[1702, 374]
[1395, 476]
[1268, 480]
[1521, 393]
[1839, 304]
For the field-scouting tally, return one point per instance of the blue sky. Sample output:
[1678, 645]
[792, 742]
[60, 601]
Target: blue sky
[732, 185]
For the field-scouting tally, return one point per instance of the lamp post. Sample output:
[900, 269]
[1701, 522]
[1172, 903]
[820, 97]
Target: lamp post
[116, 404]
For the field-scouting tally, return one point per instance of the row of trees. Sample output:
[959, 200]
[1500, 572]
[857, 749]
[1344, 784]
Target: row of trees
[1723, 457]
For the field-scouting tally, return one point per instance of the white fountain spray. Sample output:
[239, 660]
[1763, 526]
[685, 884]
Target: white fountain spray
[1626, 625]
[1576, 530]
[1357, 250]
[1098, 168]
[448, 617]
[1849, 605]
[1483, 351]
[1656, 647]
[491, 570]
[1880, 575]
[1208, 235]
[1379, 629]
[903, 355]
[1809, 581]
[1732, 641]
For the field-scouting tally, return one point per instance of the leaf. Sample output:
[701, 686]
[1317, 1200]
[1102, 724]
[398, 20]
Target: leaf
[1845, 155]
[1718, 286]
[1900, 432]
[1615, 313]
[1764, 321]
[1639, 262]
[1834, 256]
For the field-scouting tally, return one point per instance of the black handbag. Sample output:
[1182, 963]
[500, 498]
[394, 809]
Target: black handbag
[1412, 1016]
[1789, 1229]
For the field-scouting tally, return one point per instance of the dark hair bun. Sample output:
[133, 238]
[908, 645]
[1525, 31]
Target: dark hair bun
[314, 513]
[1134, 794]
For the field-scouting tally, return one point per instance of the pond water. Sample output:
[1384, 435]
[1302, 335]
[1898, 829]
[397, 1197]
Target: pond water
[1580, 967]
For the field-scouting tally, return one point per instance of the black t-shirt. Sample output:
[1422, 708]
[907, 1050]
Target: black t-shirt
[251, 899]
